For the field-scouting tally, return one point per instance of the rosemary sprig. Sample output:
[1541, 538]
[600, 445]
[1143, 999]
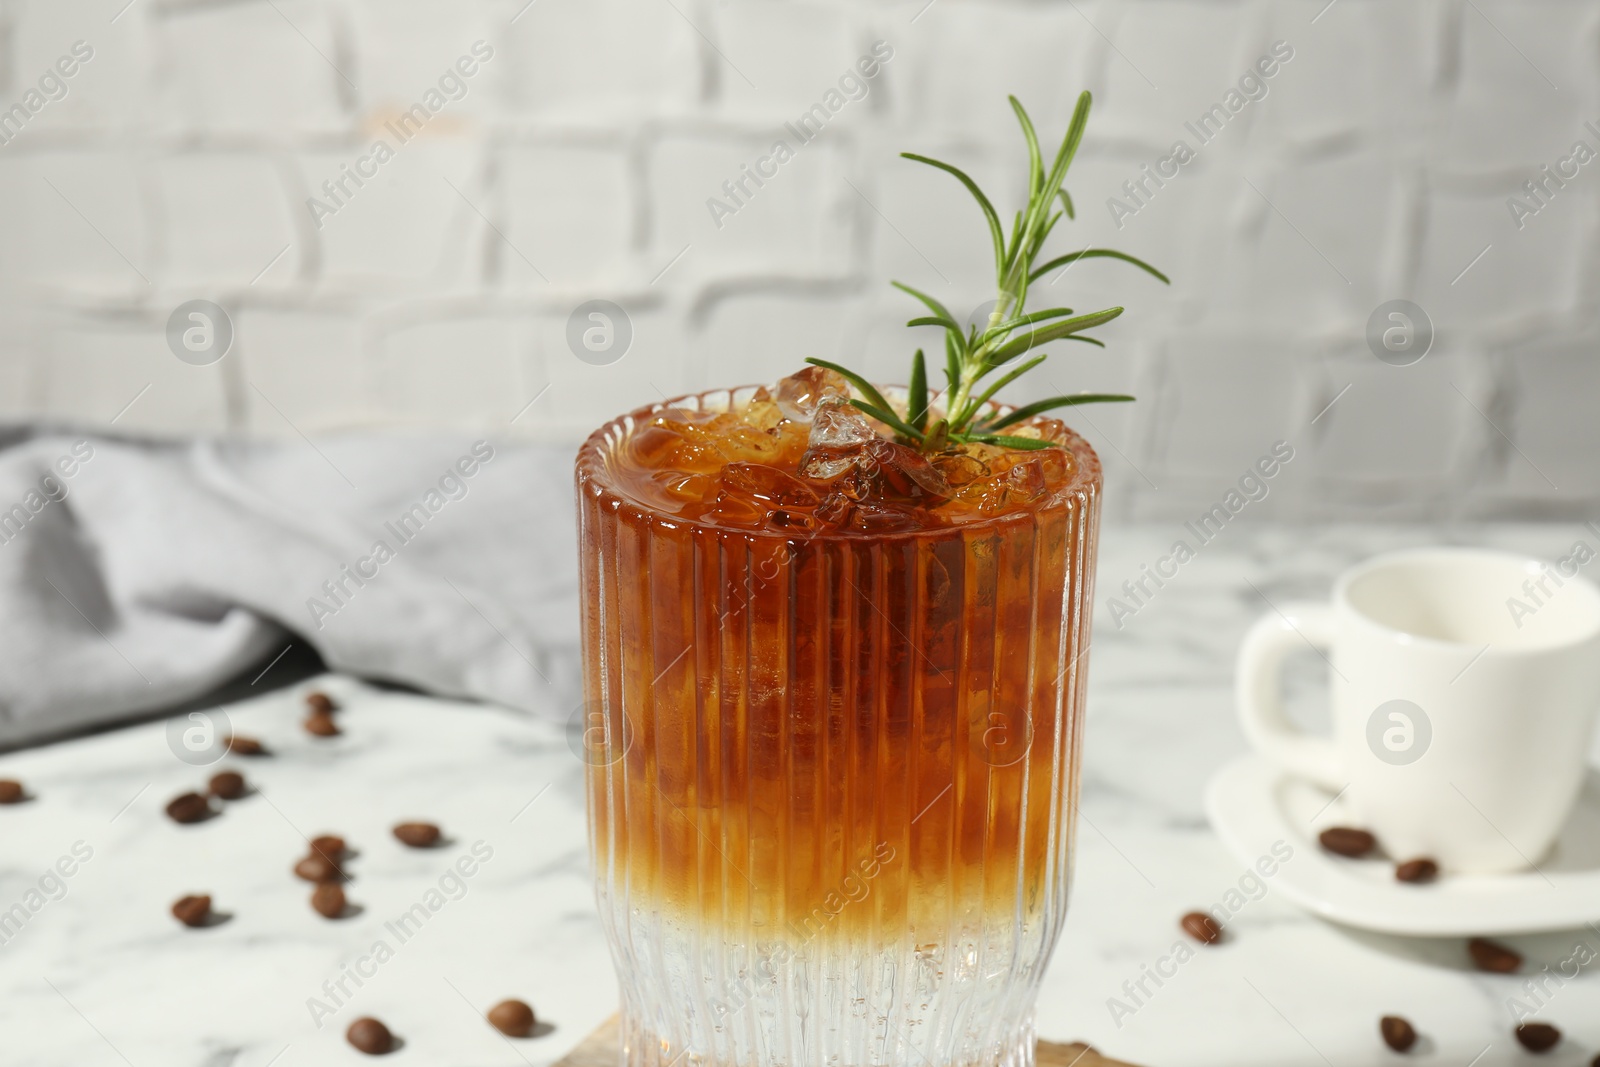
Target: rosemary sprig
[972, 354]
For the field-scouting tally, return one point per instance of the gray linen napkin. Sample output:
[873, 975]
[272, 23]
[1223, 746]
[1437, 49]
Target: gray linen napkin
[136, 576]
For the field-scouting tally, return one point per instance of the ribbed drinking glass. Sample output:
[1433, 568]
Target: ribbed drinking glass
[832, 775]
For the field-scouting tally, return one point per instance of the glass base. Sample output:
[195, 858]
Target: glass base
[809, 1014]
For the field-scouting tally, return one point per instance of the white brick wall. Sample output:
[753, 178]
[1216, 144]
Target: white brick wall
[577, 162]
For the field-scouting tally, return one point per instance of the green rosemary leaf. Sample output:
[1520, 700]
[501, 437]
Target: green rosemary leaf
[1050, 333]
[917, 395]
[1028, 411]
[1023, 320]
[1035, 163]
[1015, 275]
[1095, 253]
[1085, 338]
[935, 320]
[933, 305]
[1069, 146]
[1066, 201]
[983, 201]
[888, 418]
[952, 366]
[866, 388]
[1026, 444]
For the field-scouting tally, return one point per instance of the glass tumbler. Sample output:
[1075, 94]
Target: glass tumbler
[832, 777]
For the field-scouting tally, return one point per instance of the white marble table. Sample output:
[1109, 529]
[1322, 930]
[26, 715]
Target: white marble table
[104, 976]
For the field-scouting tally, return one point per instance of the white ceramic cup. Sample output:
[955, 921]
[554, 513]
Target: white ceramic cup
[1465, 685]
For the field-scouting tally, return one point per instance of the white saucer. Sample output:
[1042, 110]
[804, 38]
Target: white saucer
[1252, 805]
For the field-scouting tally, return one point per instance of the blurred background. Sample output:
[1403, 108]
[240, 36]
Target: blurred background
[186, 155]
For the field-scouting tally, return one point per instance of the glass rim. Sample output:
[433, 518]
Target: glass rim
[590, 469]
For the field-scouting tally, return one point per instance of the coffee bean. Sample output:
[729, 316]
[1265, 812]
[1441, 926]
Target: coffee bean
[320, 703]
[512, 1017]
[329, 845]
[1347, 841]
[321, 725]
[1492, 956]
[1397, 1033]
[11, 791]
[229, 785]
[1201, 927]
[246, 746]
[318, 868]
[190, 807]
[370, 1036]
[192, 910]
[417, 834]
[328, 900]
[1417, 870]
[1538, 1037]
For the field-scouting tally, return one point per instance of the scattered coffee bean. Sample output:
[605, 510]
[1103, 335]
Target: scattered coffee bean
[1417, 870]
[318, 868]
[1347, 841]
[192, 910]
[320, 703]
[229, 785]
[190, 807]
[246, 746]
[370, 1036]
[417, 834]
[1397, 1033]
[1201, 927]
[512, 1017]
[1538, 1037]
[11, 791]
[329, 845]
[321, 725]
[328, 900]
[1493, 957]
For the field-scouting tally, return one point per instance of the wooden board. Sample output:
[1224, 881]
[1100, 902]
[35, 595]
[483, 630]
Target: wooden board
[1077, 1054]
[599, 1049]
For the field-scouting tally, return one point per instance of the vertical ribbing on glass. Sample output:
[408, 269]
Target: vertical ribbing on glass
[832, 782]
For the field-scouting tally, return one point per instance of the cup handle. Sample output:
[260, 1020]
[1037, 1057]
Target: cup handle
[1258, 692]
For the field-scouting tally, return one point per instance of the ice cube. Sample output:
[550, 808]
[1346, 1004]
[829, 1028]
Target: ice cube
[668, 443]
[1025, 481]
[1015, 487]
[905, 472]
[838, 434]
[762, 412]
[837, 424]
[856, 462]
[768, 484]
[825, 464]
[801, 392]
[736, 509]
[754, 495]
[835, 509]
[959, 468]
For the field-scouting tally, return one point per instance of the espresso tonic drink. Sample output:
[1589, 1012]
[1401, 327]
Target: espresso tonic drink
[834, 693]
